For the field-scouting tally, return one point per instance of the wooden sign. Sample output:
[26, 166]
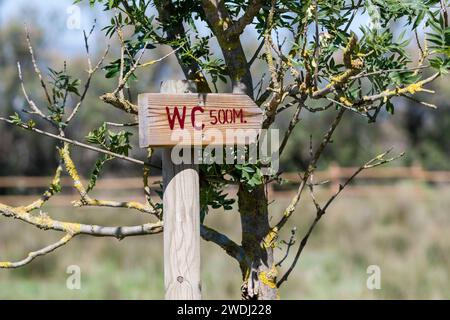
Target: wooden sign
[197, 119]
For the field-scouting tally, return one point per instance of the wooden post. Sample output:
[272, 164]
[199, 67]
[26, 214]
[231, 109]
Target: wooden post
[181, 203]
[236, 119]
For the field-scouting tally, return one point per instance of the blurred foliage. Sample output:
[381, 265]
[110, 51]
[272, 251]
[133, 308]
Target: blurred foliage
[34, 155]
[424, 134]
[408, 228]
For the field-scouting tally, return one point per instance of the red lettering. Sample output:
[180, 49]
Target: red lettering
[176, 114]
[194, 110]
[238, 114]
[211, 114]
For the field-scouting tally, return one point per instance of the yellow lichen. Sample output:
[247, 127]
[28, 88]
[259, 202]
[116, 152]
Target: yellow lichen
[413, 88]
[345, 101]
[5, 264]
[71, 169]
[70, 166]
[343, 77]
[43, 221]
[71, 228]
[269, 240]
[224, 23]
[357, 64]
[135, 205]
[269, 277]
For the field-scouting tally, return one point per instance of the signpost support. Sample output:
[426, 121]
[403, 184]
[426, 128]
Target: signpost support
[211, 119]
[181, 204]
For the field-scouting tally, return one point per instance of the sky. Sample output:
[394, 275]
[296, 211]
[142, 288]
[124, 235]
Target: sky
[62, 21]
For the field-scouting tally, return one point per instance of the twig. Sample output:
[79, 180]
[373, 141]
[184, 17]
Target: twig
[33, 255]
[374, 162]
[149, 63]
[87, 85]
[124, 78]
[288, 245]
[36, 68]
[129, 124]
[76, 143]
[311, 167]
[368, 74]
[256, 54]
[294, 120]
[317, 44]
[33, 106]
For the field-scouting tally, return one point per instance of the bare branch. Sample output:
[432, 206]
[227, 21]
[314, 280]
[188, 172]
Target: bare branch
[412, 88]
[238, 26]
[294, 120]
[312, 166]
[256, 54]
[33, 255]
[317, 44]
[151, 62]
[33, 106]
[124, 78]
[44, 222]
[120, 103]
[232, 249]
[86, 200]
[374, 162]
[129, 124]
[51, 191]
[91, 72]
[76, 143]
[36, 68]
[373, 73]
[289, 244]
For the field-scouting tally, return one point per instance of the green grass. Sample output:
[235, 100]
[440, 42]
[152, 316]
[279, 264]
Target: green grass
[405, 231]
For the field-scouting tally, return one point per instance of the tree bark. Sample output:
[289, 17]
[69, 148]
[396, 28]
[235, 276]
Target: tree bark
[260, 273]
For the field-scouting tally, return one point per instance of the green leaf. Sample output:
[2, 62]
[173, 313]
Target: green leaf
[442, 64]
[15, 118]
[96, 172]
[389, 107]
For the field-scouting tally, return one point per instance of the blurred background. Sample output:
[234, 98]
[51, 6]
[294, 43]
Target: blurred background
[397, 218]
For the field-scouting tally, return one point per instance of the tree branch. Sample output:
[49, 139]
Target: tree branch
[91, 72]
[36, 68]
[120, 103]
[76, 143]
[231, 248]
[33, 255]
[311, 168]
[374, 162]
[237, 27]
[44, 222]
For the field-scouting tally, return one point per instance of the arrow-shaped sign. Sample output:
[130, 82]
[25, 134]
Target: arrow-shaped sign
[197, 119]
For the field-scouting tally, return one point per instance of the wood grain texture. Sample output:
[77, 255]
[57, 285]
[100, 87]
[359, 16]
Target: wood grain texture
[181, 203]
[204, 118]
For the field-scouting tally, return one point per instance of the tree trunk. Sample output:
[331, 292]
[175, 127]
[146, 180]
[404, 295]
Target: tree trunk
[260, 273]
